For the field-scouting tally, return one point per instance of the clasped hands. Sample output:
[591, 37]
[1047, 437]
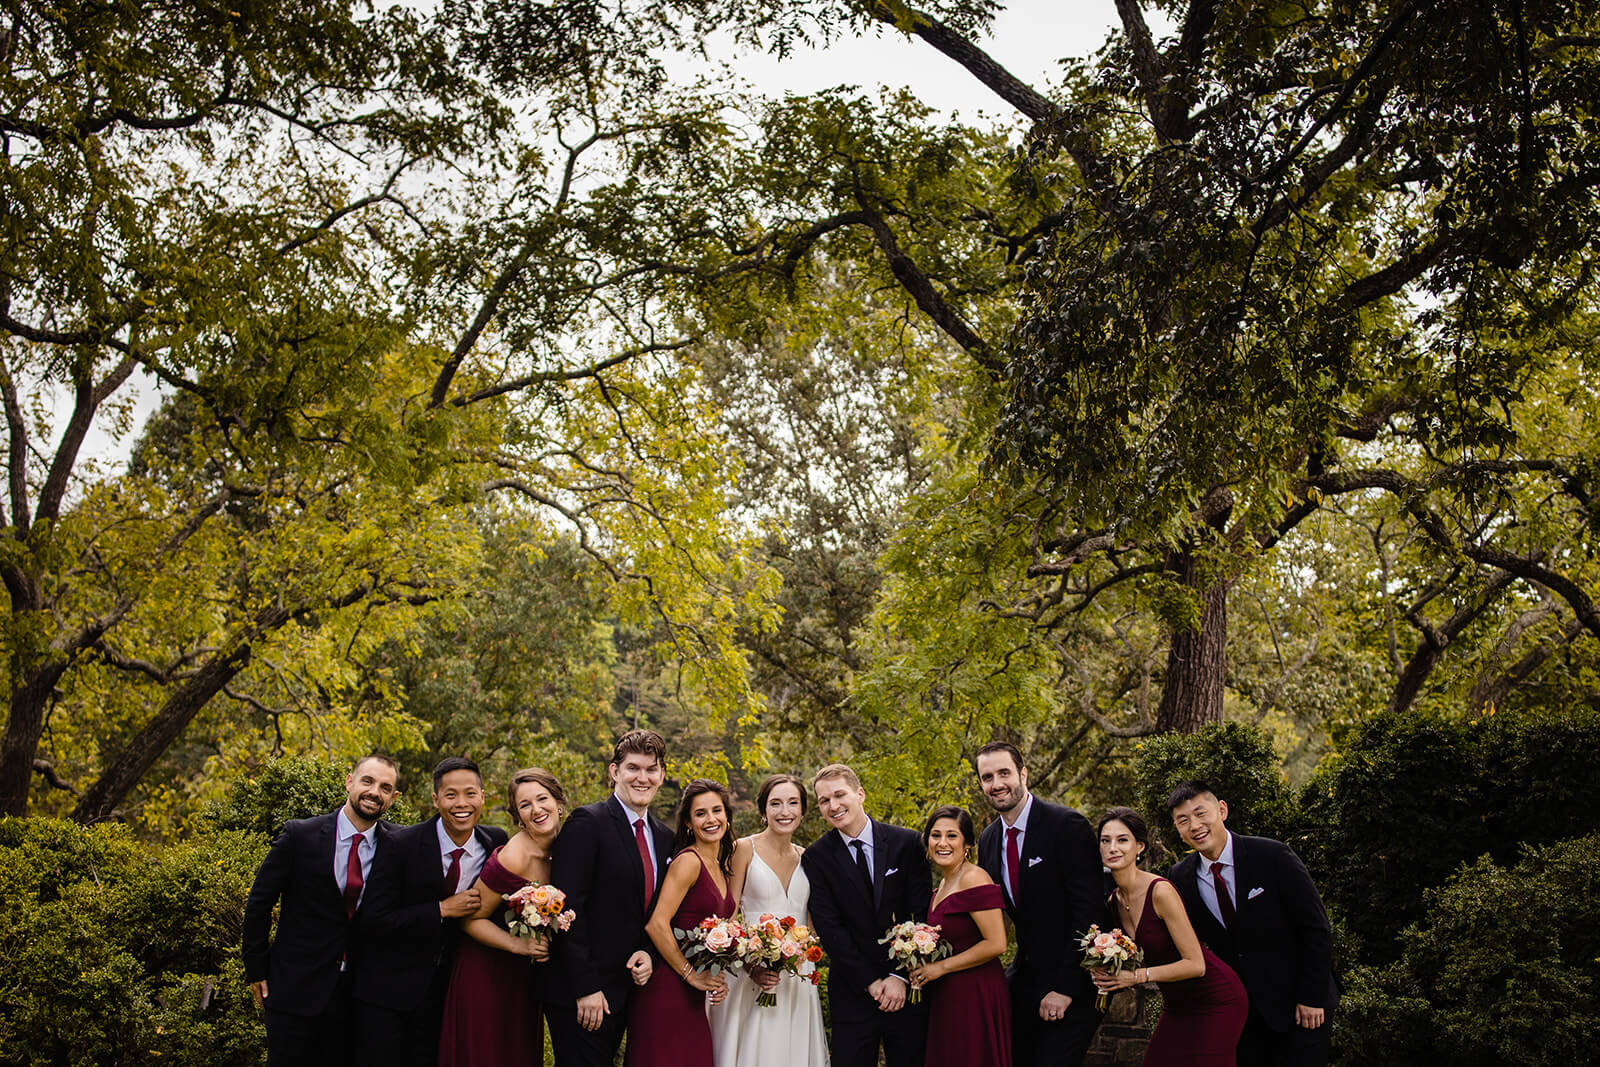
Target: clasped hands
[890, 993]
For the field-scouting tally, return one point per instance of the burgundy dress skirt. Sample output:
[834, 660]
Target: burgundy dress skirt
[667, 1024]
[491, 1016]
[969, 1012]
[1201, 1018]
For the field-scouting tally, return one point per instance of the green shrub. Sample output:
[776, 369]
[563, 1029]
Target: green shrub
[295, 787]
[117, 953]
[1503, 968]
[1236, 760]
[1409, 798]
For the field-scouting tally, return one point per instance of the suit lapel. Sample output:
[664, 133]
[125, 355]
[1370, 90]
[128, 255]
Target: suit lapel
[327, 850]
[880, 845]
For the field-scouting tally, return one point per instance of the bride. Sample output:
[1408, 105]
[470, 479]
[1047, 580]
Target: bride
[767, 878]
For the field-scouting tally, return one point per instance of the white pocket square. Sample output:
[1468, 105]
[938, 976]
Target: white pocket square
[891, 870]
[1256, 892]
[1035, 861]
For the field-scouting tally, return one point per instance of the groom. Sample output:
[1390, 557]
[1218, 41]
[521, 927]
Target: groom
[1253, 902]
[865, 876]
[610, 860]
[1047, 860]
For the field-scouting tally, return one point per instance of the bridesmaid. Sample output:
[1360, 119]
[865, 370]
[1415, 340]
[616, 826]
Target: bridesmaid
[969, 1010]
[1203, 1003]
[491, 1013]
[667, 1024]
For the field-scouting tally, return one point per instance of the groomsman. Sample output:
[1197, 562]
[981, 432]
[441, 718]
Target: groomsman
[422, 883]
[609, 859]
[316, 873]
[1253, 902]
[865, 876]
[1046, 859]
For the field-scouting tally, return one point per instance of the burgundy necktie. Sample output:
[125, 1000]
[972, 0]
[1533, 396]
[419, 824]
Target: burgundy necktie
[644, 858]
[1014, 863]
[352, 878]
[452, 877]
[1224, 899]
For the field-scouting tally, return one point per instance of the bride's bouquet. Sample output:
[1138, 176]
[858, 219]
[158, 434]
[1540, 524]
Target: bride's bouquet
[1113, 951]
[913, 945]
[713, 945]
[537, 911]
[779, 944]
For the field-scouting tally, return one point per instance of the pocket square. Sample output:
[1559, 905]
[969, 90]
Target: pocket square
[1256, 892]
[1034, 861]
[891, 870]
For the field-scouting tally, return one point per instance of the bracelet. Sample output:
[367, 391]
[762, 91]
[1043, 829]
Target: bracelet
[688, 969]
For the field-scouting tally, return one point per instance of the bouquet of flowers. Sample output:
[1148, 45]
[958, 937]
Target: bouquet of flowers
[537, 911]
[712, 946]
[779, 944]
[1113, 951]
[913, 944]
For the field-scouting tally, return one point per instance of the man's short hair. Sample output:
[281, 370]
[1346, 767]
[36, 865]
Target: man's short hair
[640, 743]
[1000, 746]
[454, 763]
[1186, 791]
[836, 770]
[387, 761]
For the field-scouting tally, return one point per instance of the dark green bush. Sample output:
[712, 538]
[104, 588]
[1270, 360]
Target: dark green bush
[294, 787]
[117, 953]
[1503, 968]
[1236, 760]
[1409, 798]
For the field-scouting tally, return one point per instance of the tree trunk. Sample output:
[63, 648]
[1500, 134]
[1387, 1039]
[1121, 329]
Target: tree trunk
[1197, 664]
[102, 799]
[24, 727]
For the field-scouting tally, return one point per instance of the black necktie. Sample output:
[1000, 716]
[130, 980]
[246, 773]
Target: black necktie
[861, 864]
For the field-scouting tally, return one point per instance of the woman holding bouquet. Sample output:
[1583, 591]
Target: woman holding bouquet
[969, 1011]
[1203, 1003]
[491, 1011]
[768, 879]
[667, 1018]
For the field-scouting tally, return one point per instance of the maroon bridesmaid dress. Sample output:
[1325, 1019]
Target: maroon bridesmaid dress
[1201, 1018]
[491, 1016]
[969, 1012]
[667, 1024]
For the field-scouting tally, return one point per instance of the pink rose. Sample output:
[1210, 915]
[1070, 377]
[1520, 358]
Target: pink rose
[924, 938]
[719, 937]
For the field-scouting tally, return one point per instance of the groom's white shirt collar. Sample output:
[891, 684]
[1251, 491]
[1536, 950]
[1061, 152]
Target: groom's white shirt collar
[634, 815]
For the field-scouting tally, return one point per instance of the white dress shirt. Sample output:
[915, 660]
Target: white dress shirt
[341, 851]
[1207, 885]
[471, 860]
[634, 816]
[1020, 823]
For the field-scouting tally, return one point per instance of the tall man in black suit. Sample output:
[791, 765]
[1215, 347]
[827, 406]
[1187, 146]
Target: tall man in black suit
[1253, 902]
[609, 859]
[316, 873]
[1047, 860]
[422, 883]
[865, 876]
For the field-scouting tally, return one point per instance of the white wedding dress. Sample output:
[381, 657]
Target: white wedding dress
[788, 1033]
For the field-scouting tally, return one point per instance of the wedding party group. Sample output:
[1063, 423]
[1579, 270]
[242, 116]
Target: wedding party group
[449, 943]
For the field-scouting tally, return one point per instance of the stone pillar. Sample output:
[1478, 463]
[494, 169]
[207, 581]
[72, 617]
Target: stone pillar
[1125, 1029]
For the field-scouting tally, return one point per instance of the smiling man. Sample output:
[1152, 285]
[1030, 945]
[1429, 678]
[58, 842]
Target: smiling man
[1253, 902]
[865, 876]
[421, 885]
[609, 859]
[1047, 860]
[315, 874]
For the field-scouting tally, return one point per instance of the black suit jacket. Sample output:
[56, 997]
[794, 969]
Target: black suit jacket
[301, 963]
[1062, 890]
[1280, 944]
[850, 923]
[596, 863]
[405, 940]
